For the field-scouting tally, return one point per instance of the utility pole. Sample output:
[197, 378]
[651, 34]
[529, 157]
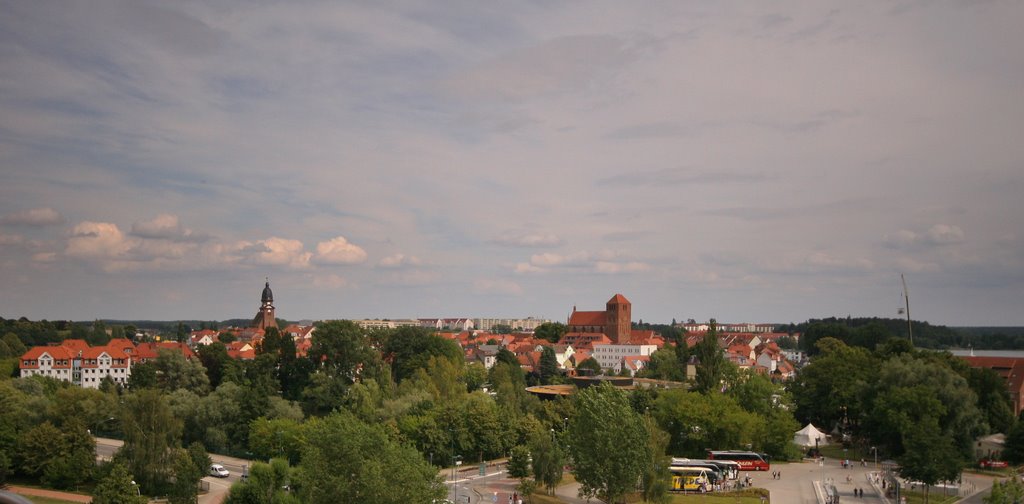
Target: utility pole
[906, 299]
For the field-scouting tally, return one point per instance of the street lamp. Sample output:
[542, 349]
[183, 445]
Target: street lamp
[821, 462]
[875, 449]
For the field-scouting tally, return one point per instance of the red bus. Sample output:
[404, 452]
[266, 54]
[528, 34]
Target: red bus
[748, 460]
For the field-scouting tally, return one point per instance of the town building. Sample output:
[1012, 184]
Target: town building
[613, 357]
[75, 362]
[265, 317]
[528, 324]
[387, 323]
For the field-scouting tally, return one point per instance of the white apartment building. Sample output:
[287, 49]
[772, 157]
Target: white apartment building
[527, 324]
[85, 367]
[610, 357]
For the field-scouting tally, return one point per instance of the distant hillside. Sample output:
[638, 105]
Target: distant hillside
[925, 334]
[992, 338]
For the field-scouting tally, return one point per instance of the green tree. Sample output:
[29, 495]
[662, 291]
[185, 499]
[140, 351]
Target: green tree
[548, 366]
[117, 488]
[271, 343]
[37, 447]
[200, 459]
[151, 433]
[356, 462]
[5, 467]
[184, 485]
[1009, 491]
[664, 366]
[698, 422]
[589, 366]
[821, 330]
[501, 329]
[1014, 449]
[98, 336]
[76, 458]
[268, 484]
[607, 443]
[548, 460]
[993, 398]
[276, 438]
[17, 348]
[930, 455]
[217, 362]
[656, 478]
[475, 376]
[710, 362]
[342, 350]
[551, 331]
[411, 348]
[143, 376]
[833, 383]
[519, 462]
[910, 391]
[174, 371]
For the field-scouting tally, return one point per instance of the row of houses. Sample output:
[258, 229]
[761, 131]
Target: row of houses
[76, 362]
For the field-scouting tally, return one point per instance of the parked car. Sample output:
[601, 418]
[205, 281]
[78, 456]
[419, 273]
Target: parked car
[219, 471]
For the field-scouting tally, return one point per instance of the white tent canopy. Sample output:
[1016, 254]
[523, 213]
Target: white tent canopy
[806, 437]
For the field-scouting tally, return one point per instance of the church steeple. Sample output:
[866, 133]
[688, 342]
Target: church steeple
[265, 317]
[268, 295]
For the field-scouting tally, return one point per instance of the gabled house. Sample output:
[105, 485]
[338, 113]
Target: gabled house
[78, 363]
[52, 361]
[98, 363]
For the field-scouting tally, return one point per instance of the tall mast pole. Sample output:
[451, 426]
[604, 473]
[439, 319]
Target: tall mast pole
[906, 298]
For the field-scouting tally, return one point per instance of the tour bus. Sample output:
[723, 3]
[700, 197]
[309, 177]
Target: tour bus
[730, 468]
[748, 460]
[690, 479]
[715, 473]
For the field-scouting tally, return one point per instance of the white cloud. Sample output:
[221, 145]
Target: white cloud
[534, 240]
[276, 251]
[497, 286]
[338, 251]
[164, 227]
[411, 277]
[34, 217]
[97, 241]
[11, 239]
[399, 261]
[937, 235]
[605, 262]
[944, 234]
[329, 281]
[628, 267]
[44, 257]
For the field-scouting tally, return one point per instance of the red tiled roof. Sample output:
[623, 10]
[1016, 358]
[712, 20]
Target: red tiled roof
[633, 361]
[618, 299]
[587, 318]
[119, 359]
[123, 344]
[147, 351]
[57, 353]
[75, 344]
[584, 340]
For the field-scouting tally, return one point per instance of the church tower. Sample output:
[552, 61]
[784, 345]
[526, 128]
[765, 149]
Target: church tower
[265, 317]
[618, 319]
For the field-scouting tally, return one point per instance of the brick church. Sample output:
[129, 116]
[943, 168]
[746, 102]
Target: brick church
[614, 322]
[265, 317]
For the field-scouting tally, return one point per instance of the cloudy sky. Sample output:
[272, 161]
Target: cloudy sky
[748, 161]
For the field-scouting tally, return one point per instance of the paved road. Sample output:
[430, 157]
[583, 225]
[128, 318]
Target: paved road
[106, 448]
